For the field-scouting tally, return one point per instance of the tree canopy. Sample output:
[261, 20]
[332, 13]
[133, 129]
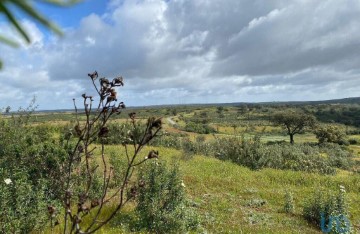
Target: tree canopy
[293, 122]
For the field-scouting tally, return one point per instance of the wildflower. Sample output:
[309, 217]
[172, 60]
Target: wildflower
[342, 188]
[183, 184]
[8, 181]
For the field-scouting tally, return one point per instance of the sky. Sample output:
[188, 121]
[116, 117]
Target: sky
[186, 51]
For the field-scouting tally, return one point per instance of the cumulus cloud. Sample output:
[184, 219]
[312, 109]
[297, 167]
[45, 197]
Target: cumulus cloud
[183, 51]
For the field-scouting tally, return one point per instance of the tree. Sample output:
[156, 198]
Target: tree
[7, 8]
[293, 122]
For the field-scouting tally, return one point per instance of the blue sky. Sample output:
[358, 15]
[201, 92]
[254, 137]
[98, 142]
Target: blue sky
[71, 16]
[185, 51]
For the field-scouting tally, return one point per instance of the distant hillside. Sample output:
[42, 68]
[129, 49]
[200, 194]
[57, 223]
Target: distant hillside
[351, 100]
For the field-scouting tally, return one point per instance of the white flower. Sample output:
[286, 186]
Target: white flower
[342, 188]
[182, 184]
[8, 181]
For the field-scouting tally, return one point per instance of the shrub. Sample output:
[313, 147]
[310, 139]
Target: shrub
[170, 140]
[289, 206]
[353, 141]
[331, 134]
[33, 161]
[252, 153]
[22, 204]
[161, 203]
[322, 207]
[199, 128]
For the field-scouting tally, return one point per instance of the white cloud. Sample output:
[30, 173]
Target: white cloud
[195, 51]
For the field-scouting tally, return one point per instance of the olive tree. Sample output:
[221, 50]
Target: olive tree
[293, 122]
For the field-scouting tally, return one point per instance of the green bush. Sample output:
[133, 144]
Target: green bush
[353, 141]
[200, 128]
[161, 203]
[170, 140]
[289, 206]
[324, 206]
[331, 134]
[33, 161]
[252, 153]
[23, 206]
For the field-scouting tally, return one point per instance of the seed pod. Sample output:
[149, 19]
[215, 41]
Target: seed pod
[93, 75]
[103, 131]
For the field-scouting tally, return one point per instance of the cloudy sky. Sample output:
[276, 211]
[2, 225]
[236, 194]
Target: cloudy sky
[187, 51]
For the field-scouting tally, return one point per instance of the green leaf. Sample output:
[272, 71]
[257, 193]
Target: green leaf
[8, 41]
[60, 2]
[14, 22]
[28, 9]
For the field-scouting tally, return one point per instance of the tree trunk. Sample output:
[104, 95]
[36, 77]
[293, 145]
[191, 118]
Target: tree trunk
[291, 138]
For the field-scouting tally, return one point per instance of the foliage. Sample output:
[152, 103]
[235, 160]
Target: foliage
[323, 205]
[199, 128]
[345, 114]
[161, 203]
[303, 157]
[124, 133]
[31, 161]
[331, 134]
[22, 204]
[171, 140]
[7, 9]
[293, 122]
[289, 206]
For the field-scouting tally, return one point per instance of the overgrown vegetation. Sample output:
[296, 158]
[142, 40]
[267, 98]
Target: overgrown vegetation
[31, 173]
[38, 149]
[161, 203]
[328, 211]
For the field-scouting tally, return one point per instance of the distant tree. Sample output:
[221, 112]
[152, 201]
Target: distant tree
[7, 8]
[293, 122]
[7, 109]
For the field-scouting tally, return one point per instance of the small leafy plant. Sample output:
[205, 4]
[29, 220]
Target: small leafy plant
[161, 202]
[289, 206]
[322, 208]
